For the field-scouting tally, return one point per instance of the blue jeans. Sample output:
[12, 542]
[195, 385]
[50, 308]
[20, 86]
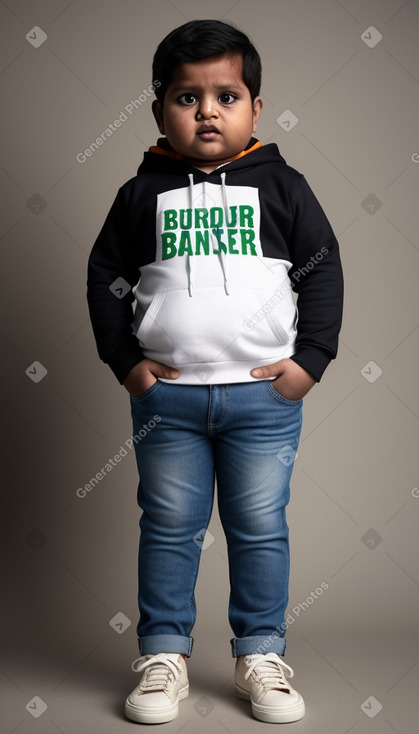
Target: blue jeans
[245, 435]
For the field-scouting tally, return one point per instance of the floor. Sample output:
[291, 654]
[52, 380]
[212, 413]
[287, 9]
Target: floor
[360, 683]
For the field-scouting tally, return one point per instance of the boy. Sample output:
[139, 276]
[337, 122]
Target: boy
[209, 239]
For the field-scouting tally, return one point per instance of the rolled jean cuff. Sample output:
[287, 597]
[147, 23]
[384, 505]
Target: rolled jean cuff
[258, 644]
[153, 644]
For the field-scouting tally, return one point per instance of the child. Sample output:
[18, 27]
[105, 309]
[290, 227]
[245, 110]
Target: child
[209, 239]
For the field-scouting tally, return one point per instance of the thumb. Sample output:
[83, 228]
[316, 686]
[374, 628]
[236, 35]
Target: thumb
[163, 370]
[269, 370]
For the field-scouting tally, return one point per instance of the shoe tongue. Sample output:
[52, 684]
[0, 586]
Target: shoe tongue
[263, 660]
[170, 655]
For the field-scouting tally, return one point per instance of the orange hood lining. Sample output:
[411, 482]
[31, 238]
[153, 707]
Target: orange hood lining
[173, 154]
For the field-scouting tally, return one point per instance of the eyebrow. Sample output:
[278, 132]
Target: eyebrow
[192, 87]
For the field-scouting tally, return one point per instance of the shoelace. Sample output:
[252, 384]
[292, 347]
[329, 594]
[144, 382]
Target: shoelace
[270, 671]
[161, 670]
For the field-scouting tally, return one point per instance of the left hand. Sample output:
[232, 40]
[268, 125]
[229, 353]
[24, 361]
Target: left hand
[293, 382]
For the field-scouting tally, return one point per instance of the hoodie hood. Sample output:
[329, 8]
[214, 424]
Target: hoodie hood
[161, 158]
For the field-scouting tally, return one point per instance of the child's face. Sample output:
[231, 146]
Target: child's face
[208, 115]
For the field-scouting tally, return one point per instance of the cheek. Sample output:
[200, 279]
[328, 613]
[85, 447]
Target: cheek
[178, 124]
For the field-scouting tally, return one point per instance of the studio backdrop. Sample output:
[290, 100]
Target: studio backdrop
[340, 92]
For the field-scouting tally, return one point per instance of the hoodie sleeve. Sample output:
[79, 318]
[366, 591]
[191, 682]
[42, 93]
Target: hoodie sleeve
[317, 278]
[109, 299]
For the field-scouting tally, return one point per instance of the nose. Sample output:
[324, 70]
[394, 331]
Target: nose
[207, 108]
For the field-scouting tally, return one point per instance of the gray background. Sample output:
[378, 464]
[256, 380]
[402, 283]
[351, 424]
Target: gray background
[68, 564]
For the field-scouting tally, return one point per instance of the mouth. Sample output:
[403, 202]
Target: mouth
[208, 132]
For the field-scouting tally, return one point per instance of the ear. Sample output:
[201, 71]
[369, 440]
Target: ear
[257, 109]
[158, 115]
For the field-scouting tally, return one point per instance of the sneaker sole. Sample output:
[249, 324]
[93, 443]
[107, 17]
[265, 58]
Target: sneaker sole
[160, 715]
[274, 716]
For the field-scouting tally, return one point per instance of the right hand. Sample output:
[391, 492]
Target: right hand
[145, 373]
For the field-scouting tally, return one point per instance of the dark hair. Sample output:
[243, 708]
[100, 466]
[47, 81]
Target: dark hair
[202, 39]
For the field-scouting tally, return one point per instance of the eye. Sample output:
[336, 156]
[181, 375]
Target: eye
[187, 99]
[227, 98]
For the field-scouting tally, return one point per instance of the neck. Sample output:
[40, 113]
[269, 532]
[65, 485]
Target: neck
[206, 167]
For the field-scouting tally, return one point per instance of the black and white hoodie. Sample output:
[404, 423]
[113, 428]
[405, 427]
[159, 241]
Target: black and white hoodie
[211, 261]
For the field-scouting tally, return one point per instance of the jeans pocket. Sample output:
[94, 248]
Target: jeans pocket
[281, 399]
[144, 395]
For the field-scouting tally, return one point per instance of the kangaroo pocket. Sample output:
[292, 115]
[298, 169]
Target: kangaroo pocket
[213, 327]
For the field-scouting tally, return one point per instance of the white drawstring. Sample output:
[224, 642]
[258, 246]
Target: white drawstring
[222, 255]
[191, 260]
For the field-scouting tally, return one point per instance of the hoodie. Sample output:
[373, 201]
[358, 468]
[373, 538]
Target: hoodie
[227, 271]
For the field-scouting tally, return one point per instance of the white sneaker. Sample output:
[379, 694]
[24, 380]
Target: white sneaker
[261, 679]
[163, 684]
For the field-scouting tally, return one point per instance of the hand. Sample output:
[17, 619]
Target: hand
[293, 382]
[145, 373]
